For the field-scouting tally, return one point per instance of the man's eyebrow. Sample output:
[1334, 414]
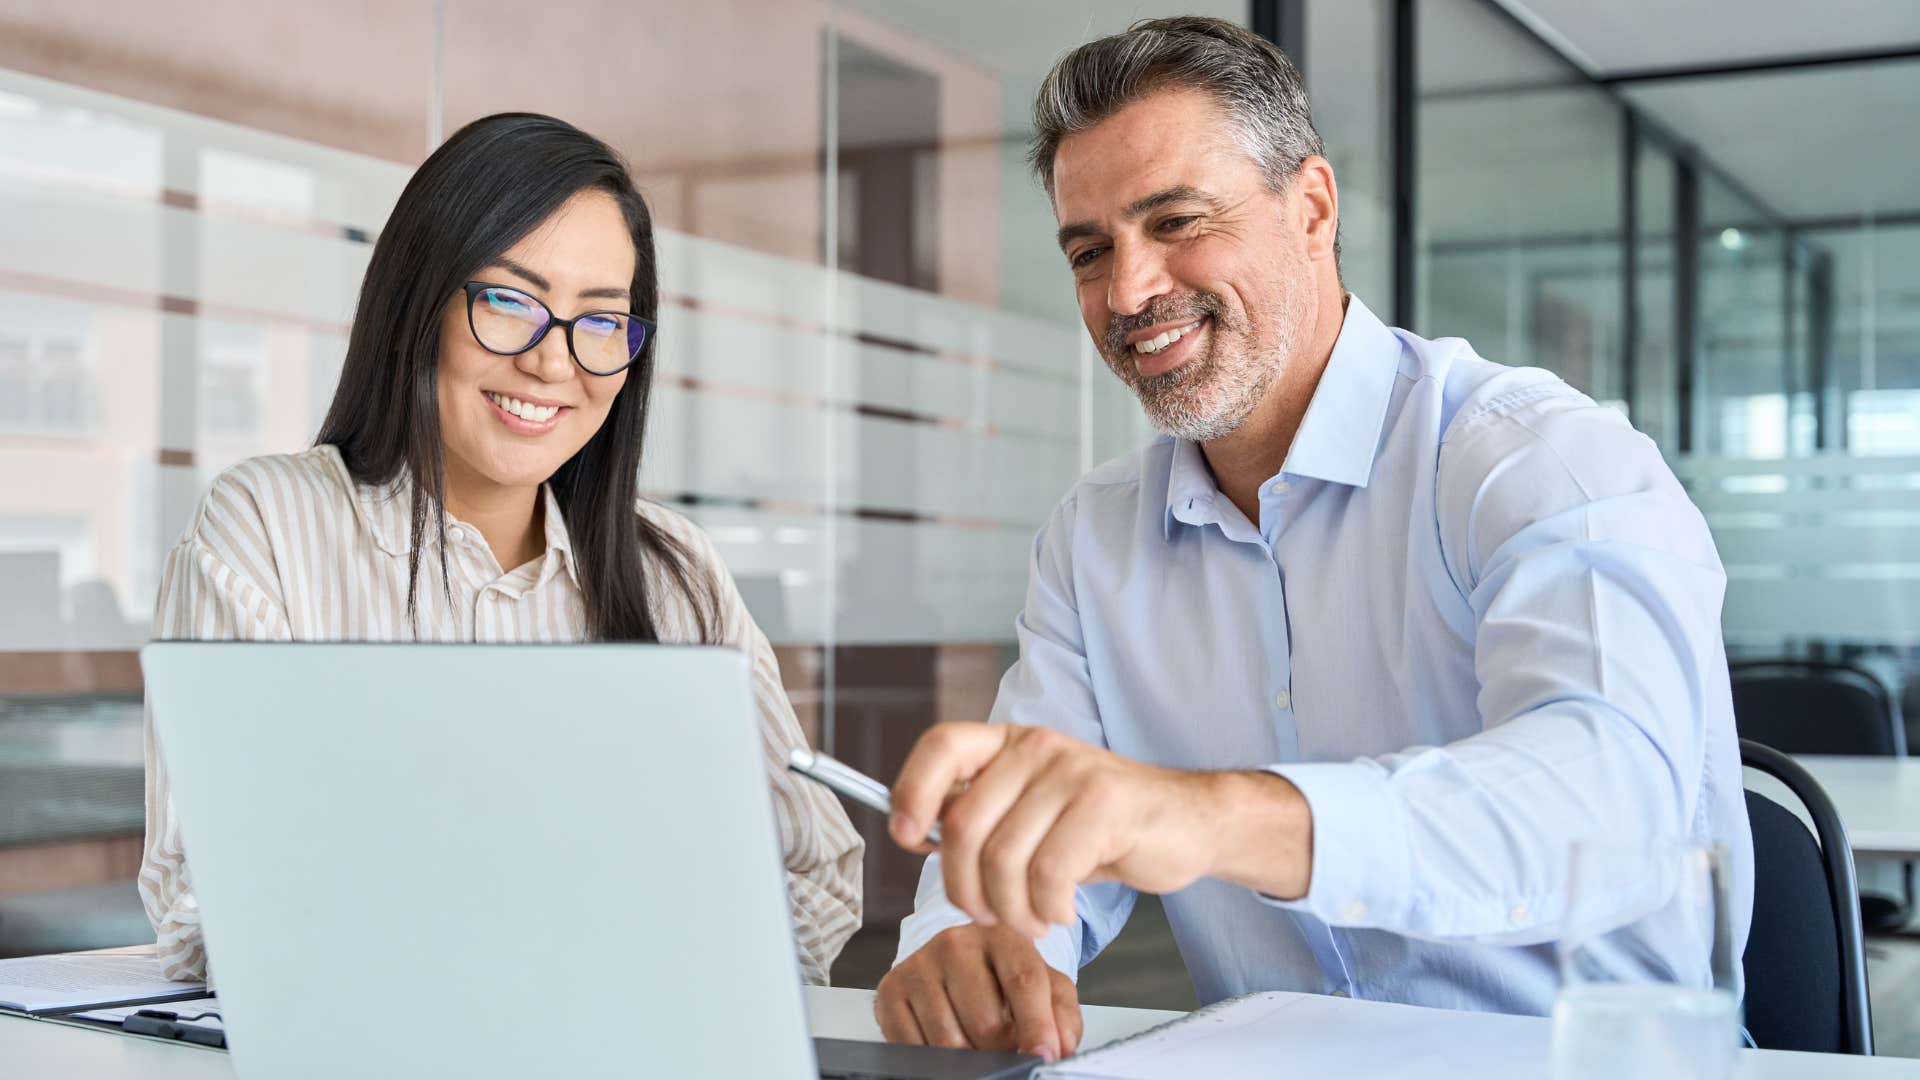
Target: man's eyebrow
[1140, 208]
[1174, 194]
[608, 292]
[1069, 233]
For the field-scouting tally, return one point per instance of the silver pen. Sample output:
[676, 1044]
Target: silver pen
[849, 782]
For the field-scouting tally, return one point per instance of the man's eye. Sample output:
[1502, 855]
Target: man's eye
[1086, 257]
[1174, 224]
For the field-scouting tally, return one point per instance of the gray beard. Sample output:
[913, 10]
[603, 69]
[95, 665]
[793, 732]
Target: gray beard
[1210, 396]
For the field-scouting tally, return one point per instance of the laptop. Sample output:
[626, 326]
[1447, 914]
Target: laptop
[492, 861]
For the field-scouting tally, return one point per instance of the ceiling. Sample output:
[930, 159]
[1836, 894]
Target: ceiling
[1817, 143]
[1828, 142]
[1622, 36]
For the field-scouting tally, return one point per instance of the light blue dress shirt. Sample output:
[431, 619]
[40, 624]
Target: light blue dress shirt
[1477, 621]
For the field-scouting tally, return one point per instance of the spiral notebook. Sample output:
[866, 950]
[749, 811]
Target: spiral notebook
[1271, 1034]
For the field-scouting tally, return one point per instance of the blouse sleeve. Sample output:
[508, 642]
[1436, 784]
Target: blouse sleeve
[201, 599]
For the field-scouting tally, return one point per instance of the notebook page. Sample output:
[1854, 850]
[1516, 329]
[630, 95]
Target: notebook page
[1266, 1035]
[40, 983]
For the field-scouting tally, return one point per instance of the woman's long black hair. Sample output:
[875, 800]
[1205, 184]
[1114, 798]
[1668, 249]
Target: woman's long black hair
[493, 182]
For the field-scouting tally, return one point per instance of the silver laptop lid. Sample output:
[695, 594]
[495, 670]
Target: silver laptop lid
[482, 860]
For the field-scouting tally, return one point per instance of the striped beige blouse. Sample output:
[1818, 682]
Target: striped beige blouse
[289, 548]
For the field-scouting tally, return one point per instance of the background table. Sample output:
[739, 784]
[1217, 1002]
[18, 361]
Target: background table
[1878, 799]
[36, 1048]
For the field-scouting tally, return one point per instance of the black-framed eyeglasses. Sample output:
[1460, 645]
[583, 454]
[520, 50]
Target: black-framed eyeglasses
[509, 321]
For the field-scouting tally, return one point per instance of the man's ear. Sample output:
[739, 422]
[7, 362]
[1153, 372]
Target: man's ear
[1316, 199]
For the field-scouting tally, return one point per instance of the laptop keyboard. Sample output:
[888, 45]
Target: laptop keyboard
[841, 1059]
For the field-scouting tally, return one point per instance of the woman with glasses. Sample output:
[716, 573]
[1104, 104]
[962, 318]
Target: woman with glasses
[475, 480]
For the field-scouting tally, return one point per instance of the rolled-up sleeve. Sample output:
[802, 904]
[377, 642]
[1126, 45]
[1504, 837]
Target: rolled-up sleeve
[1596, 594]
[1048, 686]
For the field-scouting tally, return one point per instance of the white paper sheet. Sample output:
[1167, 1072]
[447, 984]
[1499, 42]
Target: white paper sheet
[70, 980]
[1267, 1035]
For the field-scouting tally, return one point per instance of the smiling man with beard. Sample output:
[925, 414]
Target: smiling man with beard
[1345, 662]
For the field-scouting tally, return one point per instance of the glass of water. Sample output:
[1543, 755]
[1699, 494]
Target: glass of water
[1648, 980]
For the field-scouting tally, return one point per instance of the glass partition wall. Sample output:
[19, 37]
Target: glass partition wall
[872, 381]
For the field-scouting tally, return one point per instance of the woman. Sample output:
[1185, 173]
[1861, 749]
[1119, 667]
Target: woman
[475, 481]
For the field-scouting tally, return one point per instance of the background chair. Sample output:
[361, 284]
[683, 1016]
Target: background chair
[1805, 964]
[1825, 707]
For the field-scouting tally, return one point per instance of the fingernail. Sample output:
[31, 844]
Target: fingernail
[903, 827]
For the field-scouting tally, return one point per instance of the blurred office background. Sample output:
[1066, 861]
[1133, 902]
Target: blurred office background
[873, 384]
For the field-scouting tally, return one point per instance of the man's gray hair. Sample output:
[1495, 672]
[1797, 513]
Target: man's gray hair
[1254, 82]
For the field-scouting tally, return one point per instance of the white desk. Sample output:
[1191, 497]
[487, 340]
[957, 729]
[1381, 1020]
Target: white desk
[1878, 799]
[35, 1048]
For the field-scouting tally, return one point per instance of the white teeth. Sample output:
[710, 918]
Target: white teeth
[1153, 345]
[536, 413]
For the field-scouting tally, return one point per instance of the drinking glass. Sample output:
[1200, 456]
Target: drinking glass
[1647, 980]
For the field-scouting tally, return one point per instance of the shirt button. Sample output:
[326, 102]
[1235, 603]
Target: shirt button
[1279, 487]
[1518, 916]
[457, 535]
[1282, 700]
[1354, 911]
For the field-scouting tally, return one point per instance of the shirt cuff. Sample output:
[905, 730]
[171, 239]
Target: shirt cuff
[1057, 948]
[932, 913]
[1360, 871]
[920, 927]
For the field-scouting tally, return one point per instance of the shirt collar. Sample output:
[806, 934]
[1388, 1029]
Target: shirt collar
[1190, 488]
[386, 510]
[1340, 434]
[1338, 437]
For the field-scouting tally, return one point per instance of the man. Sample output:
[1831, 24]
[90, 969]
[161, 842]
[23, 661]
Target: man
[1345, 663]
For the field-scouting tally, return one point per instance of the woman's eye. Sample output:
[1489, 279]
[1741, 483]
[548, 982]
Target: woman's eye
[604, 325]
[506, 302]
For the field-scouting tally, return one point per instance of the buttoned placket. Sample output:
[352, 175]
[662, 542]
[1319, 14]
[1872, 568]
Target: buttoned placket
[474, 561]
[1273, 521]
[1277, 501]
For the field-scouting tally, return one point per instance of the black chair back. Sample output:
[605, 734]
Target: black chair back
[1816, 707]
[1805, 964]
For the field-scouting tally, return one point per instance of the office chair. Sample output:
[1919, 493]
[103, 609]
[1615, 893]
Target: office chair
[1822, 707]
[1805, 964]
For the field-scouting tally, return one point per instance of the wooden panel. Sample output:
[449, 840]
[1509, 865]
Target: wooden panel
[70, 672]
[800, 672]
[884, 697]
[349, 75]
[69, 864]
